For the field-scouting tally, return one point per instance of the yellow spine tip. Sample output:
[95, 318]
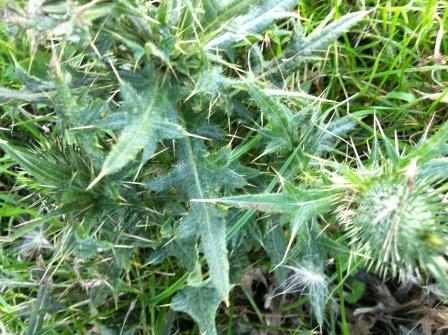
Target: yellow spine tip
[96, 180]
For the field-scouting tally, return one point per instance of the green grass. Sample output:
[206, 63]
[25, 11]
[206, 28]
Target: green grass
[153, 184]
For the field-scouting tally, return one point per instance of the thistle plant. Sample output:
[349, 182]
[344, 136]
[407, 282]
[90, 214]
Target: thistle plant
[141, 140]
[394, 208]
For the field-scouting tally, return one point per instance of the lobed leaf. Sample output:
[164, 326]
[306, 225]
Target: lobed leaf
[148, 124]
[201, 303]
[211, 228]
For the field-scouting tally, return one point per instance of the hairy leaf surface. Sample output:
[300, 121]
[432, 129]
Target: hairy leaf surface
[304, 48]
[201, 303]
[146, 119]
[258, 18]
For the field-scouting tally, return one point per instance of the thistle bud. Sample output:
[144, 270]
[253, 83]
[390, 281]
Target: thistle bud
[394, 220]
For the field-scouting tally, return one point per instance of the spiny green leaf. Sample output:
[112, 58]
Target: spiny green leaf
[48, 171]
[318, 41]
[278, 114]
[287, 129]
[72, 111]
[148, 124]
[184, 249]
[217, 172]
[200, 174]
[39, 308]
[201, 303]
[132, 140]
[434, 167]
[279, 203]
[312, 268]
[258, 18]
[22, 95]
[31, 82]
[333, 132]
[207, 222]
[212, 81]
[211, 228]
[275, 246]
[190, 7]
[271, 203]
[317, 286]
[429, 148]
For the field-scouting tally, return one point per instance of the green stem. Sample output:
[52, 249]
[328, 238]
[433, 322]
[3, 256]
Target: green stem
[344, 325]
